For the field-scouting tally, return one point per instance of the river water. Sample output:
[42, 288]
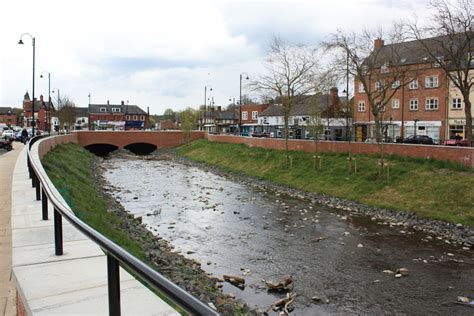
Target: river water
[336, 259]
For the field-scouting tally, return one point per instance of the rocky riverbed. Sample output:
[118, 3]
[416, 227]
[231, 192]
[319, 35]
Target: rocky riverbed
[344, 257]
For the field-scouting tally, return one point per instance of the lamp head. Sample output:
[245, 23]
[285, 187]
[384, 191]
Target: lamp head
[20, 42]
[41, 76]
[247, 78]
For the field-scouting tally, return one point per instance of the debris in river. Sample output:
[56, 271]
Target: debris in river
[403, 271]
[235, 280]
[282, 285]
[284, 304]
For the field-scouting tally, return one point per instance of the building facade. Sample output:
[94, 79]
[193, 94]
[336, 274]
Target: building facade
[117, 117]
[456, 110]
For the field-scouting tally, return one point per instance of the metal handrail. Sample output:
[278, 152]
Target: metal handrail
[116, 255]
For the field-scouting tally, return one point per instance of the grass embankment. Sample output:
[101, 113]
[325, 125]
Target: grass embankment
[432, 189]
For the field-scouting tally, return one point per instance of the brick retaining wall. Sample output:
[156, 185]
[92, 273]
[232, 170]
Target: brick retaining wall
[462, 155]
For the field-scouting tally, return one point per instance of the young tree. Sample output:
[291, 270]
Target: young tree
[380, 70]
[290, 74]
[189, 118]
[449, 42]
[66, 114]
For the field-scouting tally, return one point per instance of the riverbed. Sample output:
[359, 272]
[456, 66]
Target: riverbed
[340, 262]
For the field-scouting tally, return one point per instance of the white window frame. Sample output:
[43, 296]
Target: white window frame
[431, 82]
[102, 110]
[127, 117]
[254, 115]
[456, 104]
[116, 110]
[431, 104]
[361, 106]
[395, 103]
[142, 118]
[413, 85]
[395, 84]
[384, 69]
[412, 104]
[378, 86]
[245, 115]
[135, 118]
[361, 88]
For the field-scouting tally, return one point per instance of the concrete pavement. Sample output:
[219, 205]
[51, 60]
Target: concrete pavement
[7, 289]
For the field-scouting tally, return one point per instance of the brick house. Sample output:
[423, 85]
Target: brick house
[418, 107]
[456, 113]
[249, 114]
[42, 109]
[10, 116]
[117, 116]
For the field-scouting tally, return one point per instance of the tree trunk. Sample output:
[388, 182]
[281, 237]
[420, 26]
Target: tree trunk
[378, 134]
[468, 113]
[286, 140]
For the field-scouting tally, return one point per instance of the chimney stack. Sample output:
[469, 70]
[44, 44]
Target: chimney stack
[219, 108]
[378, 43]
[334, 92]
[108, 103]
[121, 102]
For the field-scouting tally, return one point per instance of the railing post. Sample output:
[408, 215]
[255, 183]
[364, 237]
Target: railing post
[38, 189]
[44, 203]
[58, 233]
[113, 276]
[29, 166]
[33, 178]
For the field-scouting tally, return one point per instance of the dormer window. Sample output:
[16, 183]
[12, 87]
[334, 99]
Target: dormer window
[103, 110]
[116, 110]
[384, 68]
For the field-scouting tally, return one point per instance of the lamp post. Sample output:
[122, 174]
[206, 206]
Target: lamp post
[205, 102]
[416, 121]
[20, 42]
[59, 105]
[48, 115]
[233, 113]
[240, 99]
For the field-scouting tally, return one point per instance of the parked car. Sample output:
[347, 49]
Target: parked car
[457, 142]
[261, 134]
[418, 139]
[7, 134]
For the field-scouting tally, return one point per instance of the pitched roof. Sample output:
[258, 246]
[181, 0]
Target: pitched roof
[6, 110]
[125, 109]
[302, 108]
[81, 112]
[229, 114]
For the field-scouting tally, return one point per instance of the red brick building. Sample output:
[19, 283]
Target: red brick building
[9, 116]
[419, 106]
[249, 114]
[42, 111]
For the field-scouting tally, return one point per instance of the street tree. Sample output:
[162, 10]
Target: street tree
[448, 40]
[66, 113]
[189, 119]
[379, 69]
[289, 76]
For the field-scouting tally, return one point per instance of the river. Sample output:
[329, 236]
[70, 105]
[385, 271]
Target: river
[233, 226]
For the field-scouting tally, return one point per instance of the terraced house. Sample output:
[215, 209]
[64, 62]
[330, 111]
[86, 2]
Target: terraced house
[426, 103]
[117, 116]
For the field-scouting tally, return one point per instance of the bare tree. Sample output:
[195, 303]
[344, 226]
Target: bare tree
[380, 70]
[289, 76]
[449, 42]
[66, 114]
[189, 118]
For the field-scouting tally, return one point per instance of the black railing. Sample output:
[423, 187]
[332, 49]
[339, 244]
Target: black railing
[116, 255]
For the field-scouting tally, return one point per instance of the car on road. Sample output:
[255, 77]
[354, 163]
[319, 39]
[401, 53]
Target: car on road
[8, 133]
[418, 139]
[457, 142]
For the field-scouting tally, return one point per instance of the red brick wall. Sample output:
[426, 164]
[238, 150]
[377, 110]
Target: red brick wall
[461, 155]
[49, 143]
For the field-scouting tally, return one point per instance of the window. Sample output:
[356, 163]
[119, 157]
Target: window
[115, 110]
[103, 109]
[381, 107]
[395, 104]
[245, 115]
[384, 68]
[361, 106]
[378, 86]
[431, 104]
[413, 84]
[254, 115]
[396, 84]
[413, 104]
[134, 117]
[431, 82]
[361, 87]
[127, 117]
[142, 118]
[265, 120]
[456, 104]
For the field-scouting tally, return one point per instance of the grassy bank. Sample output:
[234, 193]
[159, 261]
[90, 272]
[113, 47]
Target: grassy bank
[432, 189]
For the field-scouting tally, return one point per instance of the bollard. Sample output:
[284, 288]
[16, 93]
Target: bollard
[44, 205]
[58, 233]
[113, 277]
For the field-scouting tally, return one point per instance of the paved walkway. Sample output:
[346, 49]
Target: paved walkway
[7, 289]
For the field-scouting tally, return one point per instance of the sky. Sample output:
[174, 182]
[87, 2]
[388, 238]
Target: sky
[162, 54]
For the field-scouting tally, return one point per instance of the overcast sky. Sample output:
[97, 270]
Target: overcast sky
[161, 54]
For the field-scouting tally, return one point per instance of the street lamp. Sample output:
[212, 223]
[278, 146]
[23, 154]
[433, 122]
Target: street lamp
[205, 102]
[58, 104]
[240, 99]
[48, 115]
[20, 42]
[233, 113]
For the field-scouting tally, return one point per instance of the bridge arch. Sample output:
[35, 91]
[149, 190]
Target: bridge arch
[141, 148]
[101, 149]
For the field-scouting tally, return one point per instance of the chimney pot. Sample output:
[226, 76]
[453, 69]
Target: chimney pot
[108, 102]
[378, 43]
[123, 103]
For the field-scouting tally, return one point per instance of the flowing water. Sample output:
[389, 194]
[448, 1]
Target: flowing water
[336, 259]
